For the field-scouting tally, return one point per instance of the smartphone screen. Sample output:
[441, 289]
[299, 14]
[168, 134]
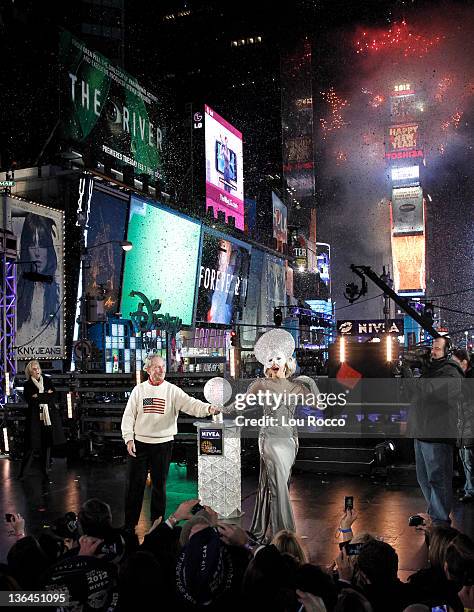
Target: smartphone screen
[8, 517]
[442, 608]
[354, 549]
[349, 502]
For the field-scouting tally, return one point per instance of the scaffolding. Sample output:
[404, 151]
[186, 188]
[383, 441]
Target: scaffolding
[8, 254]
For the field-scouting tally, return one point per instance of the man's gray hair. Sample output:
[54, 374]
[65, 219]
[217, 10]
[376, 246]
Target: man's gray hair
[149, 359]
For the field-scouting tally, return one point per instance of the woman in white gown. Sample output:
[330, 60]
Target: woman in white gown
[278, 442]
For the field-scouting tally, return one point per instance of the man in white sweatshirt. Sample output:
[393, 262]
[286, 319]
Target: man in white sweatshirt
[149, 424]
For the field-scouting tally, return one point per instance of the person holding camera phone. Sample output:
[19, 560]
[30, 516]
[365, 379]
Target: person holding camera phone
[149, 424]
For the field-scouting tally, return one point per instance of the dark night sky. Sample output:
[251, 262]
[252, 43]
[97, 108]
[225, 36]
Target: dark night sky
[195, 64]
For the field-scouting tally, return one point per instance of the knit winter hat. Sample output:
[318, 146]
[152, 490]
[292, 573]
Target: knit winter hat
[204, 570]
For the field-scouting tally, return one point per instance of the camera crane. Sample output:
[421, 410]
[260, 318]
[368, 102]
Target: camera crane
[364, 272]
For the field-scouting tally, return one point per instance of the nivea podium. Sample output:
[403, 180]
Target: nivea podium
[219, 481]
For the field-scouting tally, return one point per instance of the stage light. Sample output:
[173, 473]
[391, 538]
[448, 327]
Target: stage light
[6, 445]
[389, 348]
[69, 405]
[383, 451]
[7, 384]
[342, 350]
[126, 245]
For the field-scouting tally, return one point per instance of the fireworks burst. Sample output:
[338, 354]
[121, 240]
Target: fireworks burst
[454, 121]
[377, 101]
[398, 37]
[336, 105]
[443, 86]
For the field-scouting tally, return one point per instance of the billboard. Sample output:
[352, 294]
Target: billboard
[299, 250]
[323, 251]
[107, 222]
[224, 167]
[280, 220]
[106, 114]
[163, 262]
[40, 305]
[407, 211]
[222, 279]
[272, 288]
[370, 327]
[408, 253]
[403, 138]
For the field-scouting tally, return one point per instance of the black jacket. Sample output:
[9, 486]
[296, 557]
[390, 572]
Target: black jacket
[435, 400]
[37, 435]
[466, 412]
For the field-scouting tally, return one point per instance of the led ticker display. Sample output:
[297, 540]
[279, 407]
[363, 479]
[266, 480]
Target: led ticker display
[224, 172]
[408, 254]
[163, 261]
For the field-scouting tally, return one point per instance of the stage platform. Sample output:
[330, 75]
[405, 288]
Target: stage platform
[317, 499]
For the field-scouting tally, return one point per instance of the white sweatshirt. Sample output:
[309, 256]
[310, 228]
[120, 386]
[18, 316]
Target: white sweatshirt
[152, 411]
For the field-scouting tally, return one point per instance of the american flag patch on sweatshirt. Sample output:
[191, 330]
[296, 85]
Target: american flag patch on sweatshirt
[153, 405]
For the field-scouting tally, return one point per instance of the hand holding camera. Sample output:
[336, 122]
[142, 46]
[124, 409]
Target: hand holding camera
[17, 523]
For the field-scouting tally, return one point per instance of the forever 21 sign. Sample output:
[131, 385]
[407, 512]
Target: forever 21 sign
[370, 327]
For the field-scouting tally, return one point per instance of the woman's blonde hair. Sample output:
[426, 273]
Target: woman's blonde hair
[290, 368]
[287, 541]
[29, 367]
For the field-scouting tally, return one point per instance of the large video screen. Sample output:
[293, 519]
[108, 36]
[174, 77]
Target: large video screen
[224, 172]
[107, 221]
[223, 278]
[106, 115]
[40, 305]
[407, 211]
[323, 251]
[409, 264]
[163, 262]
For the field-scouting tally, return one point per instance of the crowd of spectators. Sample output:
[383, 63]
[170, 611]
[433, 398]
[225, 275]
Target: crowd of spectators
[196, 562]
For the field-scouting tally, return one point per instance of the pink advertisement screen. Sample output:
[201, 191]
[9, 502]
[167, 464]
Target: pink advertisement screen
[224, 172]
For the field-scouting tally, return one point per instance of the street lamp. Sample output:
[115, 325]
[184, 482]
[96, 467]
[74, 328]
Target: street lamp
[82, 347]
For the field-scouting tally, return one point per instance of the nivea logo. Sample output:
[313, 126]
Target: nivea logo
[213, 433]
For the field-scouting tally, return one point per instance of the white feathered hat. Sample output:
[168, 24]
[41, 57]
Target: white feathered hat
[271, 341]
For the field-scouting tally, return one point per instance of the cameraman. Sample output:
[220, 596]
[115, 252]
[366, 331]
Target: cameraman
[435, 399]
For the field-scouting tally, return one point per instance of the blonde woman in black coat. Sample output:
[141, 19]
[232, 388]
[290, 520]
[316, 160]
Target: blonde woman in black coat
[43, 427]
